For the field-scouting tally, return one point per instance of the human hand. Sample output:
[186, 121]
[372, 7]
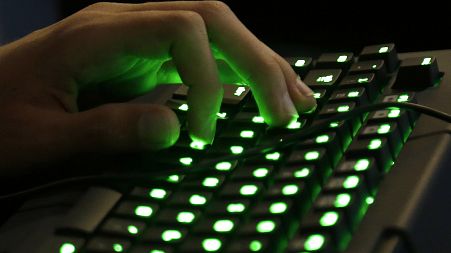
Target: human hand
[128, 49]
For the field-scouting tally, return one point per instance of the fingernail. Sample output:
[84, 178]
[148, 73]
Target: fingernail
[303, 88]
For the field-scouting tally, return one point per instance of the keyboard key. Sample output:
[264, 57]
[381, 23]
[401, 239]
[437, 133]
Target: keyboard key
[223, 225]
[190, 198]
[178, 216]
[196, 244]
[260, 226]
[417, 74]
[335, 60]
[249, 245]
[393, 115]
[253, 173]
[123, 227]
[375, 147]
[333, 109]
[66, 244]
[155, 194]
[167, 235]
[133, 209]
[272, 208]
[357, 95]
[375, 66]
[202, 183]
[228, 207]
[153, 249]
[388, 131]
[365, 80]
[241, 190]
[314, 242]
[322, 78]
[386, 52]
[332, 223]
[301, 65]
[363, 166]
[103, 244]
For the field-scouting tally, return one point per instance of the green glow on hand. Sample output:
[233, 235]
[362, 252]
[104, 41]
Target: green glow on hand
[299, 63]
[369, 200]
[186, 161]
[255, 246]
[118, 247]
[185, 217]
[290, 189]
[211, 244]
[272, 156]
[210, 182]
[197, 200]
[260, 172]
[363, 80]
[239, 91]
[235, 208]
[199, 145]
[247, 134]
[304, 172]
[383, 49]
[328, 219]
[342, 58]
[351, 182]
[266, 226]
[375, 144]
[223, 166]
[221, 115]
[325, 79]
[353, 94]
[294, 125]
[248, 189]
[157, 193]
[322, 138]
[278, 207]
[361, 164]
[342, 200]
[333, 124]
[403, 98]
[311, 155]
[173, 179]
[223, 226]
[67, 248]
[183, 107]
[314, 242]
[143, 211]
[343, 108]
[133, 229]
[383, 129]
[258, 119]
[426, 61]
[171, 235]
[236, 150]
[394, 113]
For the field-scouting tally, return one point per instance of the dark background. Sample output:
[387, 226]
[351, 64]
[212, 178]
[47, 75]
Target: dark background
[291, 27]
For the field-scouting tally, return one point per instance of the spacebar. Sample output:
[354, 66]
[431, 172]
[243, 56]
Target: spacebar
[89, 211]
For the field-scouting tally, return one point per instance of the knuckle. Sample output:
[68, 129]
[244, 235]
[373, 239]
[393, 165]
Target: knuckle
[214, 8]
[98, 6]
[187, 20]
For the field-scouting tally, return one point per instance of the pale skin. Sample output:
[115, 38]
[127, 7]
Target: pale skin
[122, 47]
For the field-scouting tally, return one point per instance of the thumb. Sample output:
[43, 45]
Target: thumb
[113, 128]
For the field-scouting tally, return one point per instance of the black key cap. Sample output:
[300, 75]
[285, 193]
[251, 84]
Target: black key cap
[252, 173]
[387, 130]
[156, 194]
[179, 216]
[417, 74]
[375, 147]
[394, 115]
[357, 95]
[216, 225]
[241, 190]
[66, 244]
[375, 66]
[315, 156]
[272, 208]
[197, 244]
[329, 141]
[260, 226]
[363, 166]
[190, 198]
[122, 227]
[211, 183]
[340, 183]
[314, 242]
[333, 109]
[104, 244]
[228, 207]
[90, 210]
[319, 95]
[249, 245]
[301, 65]
[295, 190]
[332, 223]
[335, 60]
[386, 52]
[134, 209]
[164, 234]
[368, 81]
[322, 78]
